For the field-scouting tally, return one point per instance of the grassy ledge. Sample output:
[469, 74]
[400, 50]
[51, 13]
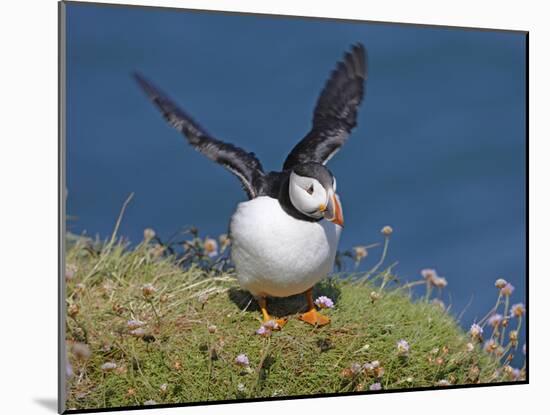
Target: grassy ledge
[143, 329]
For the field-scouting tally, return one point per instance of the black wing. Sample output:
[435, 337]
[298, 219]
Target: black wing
[336, 112]
[242, 164]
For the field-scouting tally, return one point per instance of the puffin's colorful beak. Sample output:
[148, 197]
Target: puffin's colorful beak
[333, 210]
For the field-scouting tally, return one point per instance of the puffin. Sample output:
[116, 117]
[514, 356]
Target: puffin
[285, 236]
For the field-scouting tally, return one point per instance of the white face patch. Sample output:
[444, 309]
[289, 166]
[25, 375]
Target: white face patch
[307, 195]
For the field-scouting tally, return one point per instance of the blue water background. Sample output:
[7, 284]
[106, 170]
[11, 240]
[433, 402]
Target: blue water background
[439, 153]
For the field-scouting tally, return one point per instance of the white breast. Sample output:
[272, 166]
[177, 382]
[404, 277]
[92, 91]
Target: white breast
[276, 254]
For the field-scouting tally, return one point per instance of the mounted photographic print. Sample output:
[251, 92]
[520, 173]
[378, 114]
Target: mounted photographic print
[259, 207]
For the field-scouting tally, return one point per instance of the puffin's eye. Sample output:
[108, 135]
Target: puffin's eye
[310, 189]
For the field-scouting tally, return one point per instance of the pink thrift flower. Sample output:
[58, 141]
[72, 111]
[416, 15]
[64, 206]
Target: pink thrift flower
[375, 386]
[324, 302]
[242, 360]
[517, 310]
[476, 330]
[263, 331]
[211, 247]
[135, 324]
[108, 367]
[403, 347]
[495, 320]
[429, 274]
[507, 290]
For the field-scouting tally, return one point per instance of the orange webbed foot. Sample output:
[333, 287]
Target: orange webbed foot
[275, 323]
[268, 321]
[315, 318]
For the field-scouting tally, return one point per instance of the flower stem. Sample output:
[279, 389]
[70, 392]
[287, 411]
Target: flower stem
[428, 291]
[506, 305]
[518, 328]
[379, 263]
[260, 367]
[492, 311]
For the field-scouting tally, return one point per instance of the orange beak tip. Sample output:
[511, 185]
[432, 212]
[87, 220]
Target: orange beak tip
[338, 214]
[338, 222]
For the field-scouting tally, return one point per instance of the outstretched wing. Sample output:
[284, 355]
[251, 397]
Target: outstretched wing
[336, 112]
[242, 164]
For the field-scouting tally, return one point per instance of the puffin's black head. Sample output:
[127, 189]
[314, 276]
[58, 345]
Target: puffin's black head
[312, 190]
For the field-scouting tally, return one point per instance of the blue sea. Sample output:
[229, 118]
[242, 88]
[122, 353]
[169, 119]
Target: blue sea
[439, 152]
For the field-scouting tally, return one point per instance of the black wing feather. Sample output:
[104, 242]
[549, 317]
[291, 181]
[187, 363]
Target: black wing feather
[242, 164]
[335, 114]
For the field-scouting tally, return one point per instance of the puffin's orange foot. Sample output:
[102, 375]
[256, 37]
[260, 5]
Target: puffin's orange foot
[268, 321]
[314, 318]
[275, 323]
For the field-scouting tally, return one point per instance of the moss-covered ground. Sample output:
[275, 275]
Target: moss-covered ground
[194, 321]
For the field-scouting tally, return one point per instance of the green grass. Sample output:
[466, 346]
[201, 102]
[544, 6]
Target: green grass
[194, 364]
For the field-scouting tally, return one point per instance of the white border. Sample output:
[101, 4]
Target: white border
[28, 172]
